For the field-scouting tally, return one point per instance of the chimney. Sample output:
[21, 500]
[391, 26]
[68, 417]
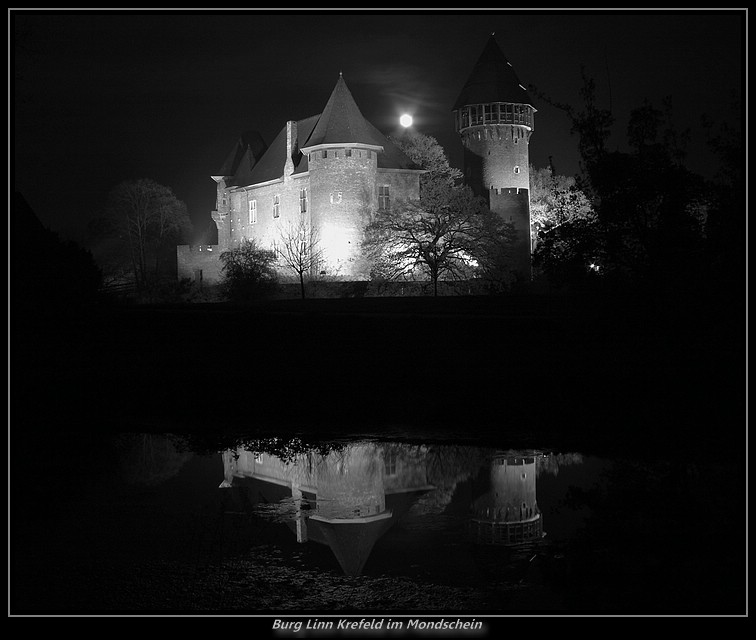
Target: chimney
[292, 146]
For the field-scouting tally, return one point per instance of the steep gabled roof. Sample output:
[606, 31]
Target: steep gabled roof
[248, 149]
[340, 123]
[493, 79]
[271, 165]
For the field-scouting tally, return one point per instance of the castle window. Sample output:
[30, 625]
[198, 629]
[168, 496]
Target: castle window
[465, 117]
[335, 153]
[303, 200]
[348, 153]
[325, 153]
[276, 206]
[336, 197]
[389, 460]
[383, 197]
[487, 112]
[252, 211]
[517, 169]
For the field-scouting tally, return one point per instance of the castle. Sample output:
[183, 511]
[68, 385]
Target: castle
[335, 170]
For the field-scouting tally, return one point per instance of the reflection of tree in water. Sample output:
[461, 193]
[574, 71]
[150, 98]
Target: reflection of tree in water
[301, 458]
[447, 466]
[148, 459]
[550, 462]
[286, 449]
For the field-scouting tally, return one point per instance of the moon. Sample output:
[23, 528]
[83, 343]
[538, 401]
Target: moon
[406, 120]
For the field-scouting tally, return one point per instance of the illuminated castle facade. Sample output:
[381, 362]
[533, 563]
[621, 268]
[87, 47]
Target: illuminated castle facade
[332, 171]
[335, 170]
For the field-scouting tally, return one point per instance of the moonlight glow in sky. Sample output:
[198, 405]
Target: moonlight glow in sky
[406, 120]
[106, 96]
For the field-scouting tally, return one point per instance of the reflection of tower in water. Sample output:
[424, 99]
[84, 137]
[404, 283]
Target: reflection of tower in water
[508, 513]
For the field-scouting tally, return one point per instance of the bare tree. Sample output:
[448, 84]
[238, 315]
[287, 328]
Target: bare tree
[449, 234]
[145, 218]
[298, 247]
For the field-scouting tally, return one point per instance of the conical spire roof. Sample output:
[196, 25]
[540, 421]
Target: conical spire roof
[493, 79]
[341, 121]
[351, 542]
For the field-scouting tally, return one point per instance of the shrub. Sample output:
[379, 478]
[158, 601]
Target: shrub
[249, 272]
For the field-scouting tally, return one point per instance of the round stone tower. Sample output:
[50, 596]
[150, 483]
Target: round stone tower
[342, 184]
[494, 118]
[342, 154]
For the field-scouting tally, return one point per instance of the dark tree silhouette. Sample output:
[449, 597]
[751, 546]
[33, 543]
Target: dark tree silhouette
[648, 231]
[143, 222]
[49, 271]
[249, 273]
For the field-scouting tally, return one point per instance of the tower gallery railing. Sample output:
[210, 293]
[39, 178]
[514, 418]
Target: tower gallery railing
[494, 113]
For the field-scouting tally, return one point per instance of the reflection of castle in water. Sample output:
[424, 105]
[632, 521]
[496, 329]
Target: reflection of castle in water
[508, 513]
[346, 499]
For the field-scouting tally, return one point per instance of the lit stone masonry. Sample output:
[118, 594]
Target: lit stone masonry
[333, 171]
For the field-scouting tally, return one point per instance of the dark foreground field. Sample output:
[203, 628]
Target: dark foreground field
[595, 373]
[614, 378]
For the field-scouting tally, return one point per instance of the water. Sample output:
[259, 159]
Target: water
[146, 523]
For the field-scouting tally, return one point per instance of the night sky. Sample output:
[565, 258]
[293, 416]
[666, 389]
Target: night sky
[104, 97]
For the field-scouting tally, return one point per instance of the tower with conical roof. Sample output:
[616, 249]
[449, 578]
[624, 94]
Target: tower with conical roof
[494, 118]
[342, 153]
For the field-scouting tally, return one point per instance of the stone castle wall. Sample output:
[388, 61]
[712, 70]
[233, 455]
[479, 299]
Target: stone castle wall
[199, 263]
[342, 195]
